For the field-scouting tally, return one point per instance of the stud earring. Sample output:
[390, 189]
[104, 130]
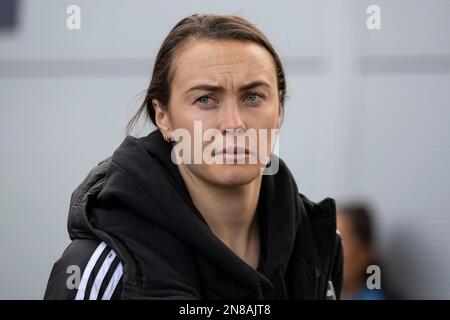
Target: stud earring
[168, 138]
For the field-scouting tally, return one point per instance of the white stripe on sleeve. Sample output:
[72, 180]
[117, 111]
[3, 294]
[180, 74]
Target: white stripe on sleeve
[101, 275]
[88, 270]
[113, 282]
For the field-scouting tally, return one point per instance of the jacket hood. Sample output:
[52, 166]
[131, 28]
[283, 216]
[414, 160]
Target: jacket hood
[137, 202]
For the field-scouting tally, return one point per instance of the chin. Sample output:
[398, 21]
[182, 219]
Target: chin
[234, 174]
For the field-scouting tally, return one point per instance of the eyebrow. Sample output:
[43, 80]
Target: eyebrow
[213, 88]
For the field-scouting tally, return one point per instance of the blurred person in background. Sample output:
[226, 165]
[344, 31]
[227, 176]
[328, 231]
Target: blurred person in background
[354, 222]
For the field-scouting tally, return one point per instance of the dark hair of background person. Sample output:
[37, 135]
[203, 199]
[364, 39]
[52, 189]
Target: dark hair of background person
[360, 217]
[208, 26]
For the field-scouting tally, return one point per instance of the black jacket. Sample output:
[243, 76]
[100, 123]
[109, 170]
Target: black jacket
[136, 234]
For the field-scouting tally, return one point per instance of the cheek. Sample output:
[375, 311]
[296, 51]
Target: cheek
[179, 116]
[185, 115]
[265, 117]
[269, 133]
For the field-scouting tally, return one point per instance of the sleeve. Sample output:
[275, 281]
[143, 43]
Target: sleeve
[87, 270]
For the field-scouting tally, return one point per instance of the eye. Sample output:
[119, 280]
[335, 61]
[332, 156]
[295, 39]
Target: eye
[205, 101]
[254, 98]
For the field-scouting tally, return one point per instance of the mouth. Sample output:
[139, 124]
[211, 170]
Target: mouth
[233, 151]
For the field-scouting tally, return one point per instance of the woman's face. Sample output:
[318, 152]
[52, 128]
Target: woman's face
[224, 84]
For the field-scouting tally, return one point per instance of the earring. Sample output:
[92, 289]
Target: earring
[168, 138]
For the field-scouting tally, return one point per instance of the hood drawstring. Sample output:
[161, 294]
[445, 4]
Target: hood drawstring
[282, 283]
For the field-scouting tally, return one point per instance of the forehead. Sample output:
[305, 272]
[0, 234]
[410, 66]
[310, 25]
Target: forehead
[219, 60]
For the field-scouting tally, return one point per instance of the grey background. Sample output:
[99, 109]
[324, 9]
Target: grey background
[367, 118]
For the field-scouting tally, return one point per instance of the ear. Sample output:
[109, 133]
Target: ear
[162, 119]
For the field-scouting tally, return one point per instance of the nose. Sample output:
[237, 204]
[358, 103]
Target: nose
[231, 119]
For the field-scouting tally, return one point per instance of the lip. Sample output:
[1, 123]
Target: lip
[233, 151]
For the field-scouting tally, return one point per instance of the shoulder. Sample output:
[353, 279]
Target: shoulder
[322, 218]
[87, 270]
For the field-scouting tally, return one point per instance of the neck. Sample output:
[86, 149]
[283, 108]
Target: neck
[230, 212]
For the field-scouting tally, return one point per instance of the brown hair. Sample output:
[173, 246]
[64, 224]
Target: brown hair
[219, 27]
[360, 216]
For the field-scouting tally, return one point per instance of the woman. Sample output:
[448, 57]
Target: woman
[151, 223]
